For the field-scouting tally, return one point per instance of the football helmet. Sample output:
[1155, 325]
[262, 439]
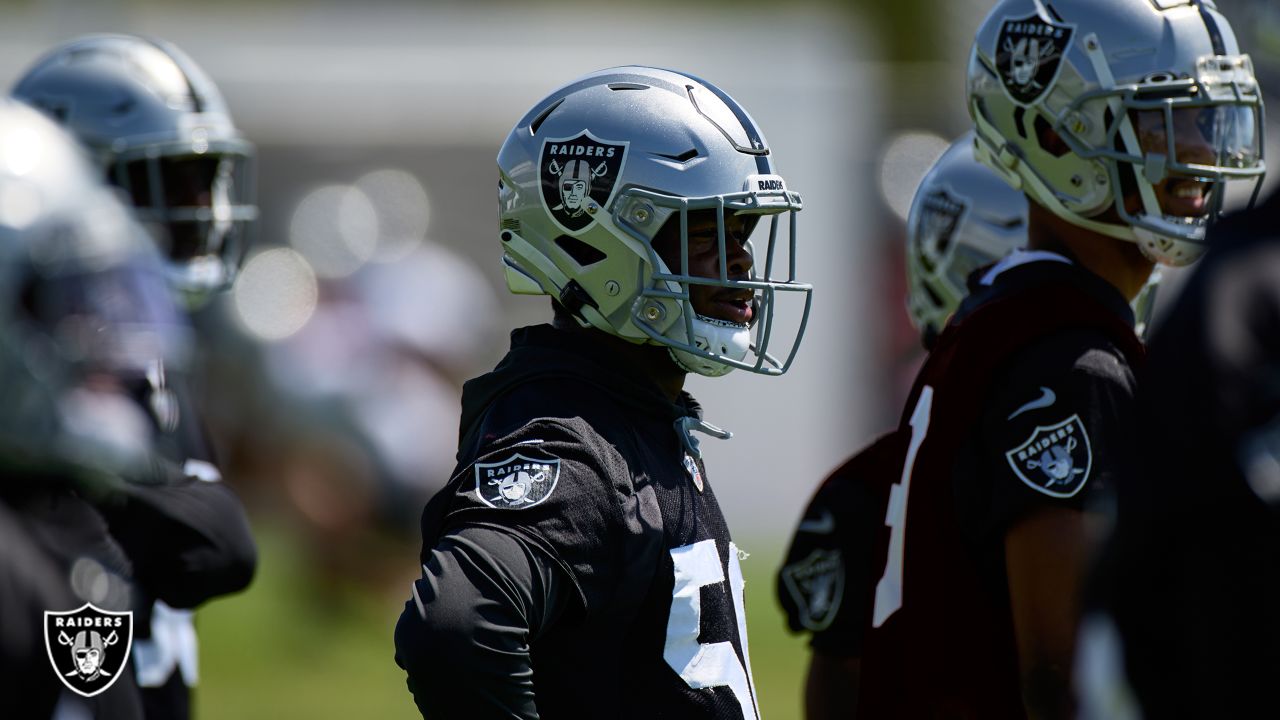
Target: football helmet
[84, 309]
[596, 170]
[1125, 117]
[161, 131]
[963, 216]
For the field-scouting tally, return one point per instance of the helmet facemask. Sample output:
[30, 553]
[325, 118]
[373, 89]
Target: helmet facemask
[1171, 148]
[196, 199]
[705, 268]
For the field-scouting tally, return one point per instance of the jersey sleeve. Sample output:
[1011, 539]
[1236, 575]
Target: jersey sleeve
[563, 489]
[1055, 428]
[823, 582]
[189, 539]
[464, 637]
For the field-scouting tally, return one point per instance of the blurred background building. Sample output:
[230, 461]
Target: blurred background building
[333, 370]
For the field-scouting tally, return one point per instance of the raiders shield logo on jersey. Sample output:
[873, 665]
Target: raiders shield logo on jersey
[940, 216]
[88, 647]
[578, 177]
[816, 584]
[517, 482]
[1056, 459]
[1029, 56]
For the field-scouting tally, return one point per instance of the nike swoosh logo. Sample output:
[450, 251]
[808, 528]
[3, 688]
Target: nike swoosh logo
[824, 525]
[1044, 401]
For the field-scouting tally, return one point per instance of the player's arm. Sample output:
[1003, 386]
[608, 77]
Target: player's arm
[189, 539]
[1055, 433]
[464, 638]
[1046, 555]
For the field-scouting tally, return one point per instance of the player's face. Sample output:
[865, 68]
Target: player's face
[1193, 130]
[731, 305]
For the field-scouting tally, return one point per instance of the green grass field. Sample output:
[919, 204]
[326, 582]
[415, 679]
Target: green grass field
[285, 649]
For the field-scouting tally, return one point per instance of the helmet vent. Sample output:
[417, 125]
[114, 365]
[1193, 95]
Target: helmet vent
[542, 116]
[627, 86]
[685, 156]
[1019, 118]
[582, 253]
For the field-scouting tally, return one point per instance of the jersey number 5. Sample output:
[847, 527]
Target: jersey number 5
[711, 664]
[889, 589]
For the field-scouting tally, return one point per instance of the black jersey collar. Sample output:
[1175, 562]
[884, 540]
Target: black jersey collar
[1021, 276]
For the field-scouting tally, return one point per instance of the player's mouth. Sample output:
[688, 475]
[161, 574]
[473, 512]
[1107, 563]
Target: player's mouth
[733, 306]
[1185, 197]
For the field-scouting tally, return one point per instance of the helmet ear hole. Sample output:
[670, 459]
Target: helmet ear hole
[1049, 139]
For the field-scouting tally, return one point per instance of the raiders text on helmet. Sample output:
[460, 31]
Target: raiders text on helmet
[160, 129]
[1125, 117]
[592, 173]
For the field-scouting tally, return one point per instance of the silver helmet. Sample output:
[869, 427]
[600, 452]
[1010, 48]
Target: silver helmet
[598, 169]
[963, 216]
[84, 308]
[1125, 117]
[161, 131]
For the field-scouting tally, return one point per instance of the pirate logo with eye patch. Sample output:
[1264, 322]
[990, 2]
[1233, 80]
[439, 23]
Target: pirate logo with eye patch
[1055, 460]
[1029, 56]
[578, 176]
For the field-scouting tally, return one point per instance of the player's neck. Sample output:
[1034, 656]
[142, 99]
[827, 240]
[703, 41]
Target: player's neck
[1121, 264]
[655, 361]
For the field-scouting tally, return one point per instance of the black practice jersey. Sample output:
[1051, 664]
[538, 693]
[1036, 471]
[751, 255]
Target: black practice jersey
[578, 564]
[1191, 576]
[188, 539]
[1021, 406]
[55, 556]
[822, 584]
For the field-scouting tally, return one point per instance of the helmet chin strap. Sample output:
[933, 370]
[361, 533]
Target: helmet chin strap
[718, 337]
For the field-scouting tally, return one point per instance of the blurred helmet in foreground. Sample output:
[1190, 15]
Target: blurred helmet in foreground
[84, 308]
[963, 216]
[603, 166]
[1124, 117]
[160, 130]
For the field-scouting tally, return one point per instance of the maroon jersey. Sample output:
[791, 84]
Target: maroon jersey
[939, 639]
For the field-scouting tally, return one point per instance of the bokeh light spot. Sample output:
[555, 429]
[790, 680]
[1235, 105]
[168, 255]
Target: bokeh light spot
[905, 163]
[276, 294]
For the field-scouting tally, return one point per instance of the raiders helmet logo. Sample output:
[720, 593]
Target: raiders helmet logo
[939, 217]
[816, 585]
[1029, 56]
[578, 177]
[88, 647]
[518, 482]
[1055, 460]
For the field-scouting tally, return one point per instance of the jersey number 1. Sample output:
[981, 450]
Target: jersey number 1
[707, 665]
[889, 589]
